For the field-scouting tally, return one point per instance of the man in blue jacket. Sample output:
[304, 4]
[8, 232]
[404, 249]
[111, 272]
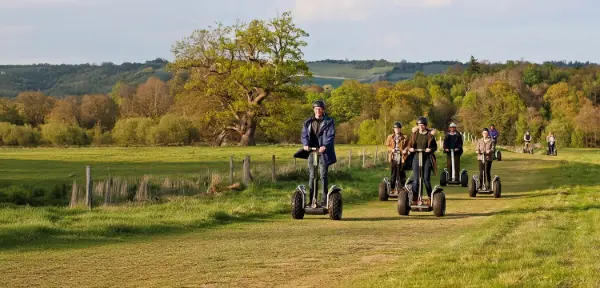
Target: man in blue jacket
[319, 132]
[494, 134]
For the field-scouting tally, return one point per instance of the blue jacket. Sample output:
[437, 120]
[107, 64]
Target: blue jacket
[326, 137]
[494, 134]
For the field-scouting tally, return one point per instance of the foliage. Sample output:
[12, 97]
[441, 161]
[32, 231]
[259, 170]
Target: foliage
[63, 135]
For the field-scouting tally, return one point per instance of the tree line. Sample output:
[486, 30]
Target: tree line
[243, 84]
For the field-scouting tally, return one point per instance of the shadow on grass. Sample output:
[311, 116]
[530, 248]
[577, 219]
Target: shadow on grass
[40, 238]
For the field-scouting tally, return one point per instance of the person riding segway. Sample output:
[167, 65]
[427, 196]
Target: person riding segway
[318, 135]
[422, 145]
[495, 135]
[395, 143]
[481, 183]
[528, 148]
[453, 147]
[551, 144]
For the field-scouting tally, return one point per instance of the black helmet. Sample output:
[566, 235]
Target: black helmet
[319, 103]
[422, 120]
[397, 125]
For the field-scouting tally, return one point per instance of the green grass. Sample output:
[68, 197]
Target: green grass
[542, 232]
[346, 70]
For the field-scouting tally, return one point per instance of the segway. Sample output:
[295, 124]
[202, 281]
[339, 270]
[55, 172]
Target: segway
[385, 187]
[448, 178]
[333, 206]
[495, 188]
[406, 204]
[528, 148]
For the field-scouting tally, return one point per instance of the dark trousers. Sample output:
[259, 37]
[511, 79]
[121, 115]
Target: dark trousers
[397, 175]
[488, 175]
[311, 175]
[426, 175]
[551, 147]
[456, 165]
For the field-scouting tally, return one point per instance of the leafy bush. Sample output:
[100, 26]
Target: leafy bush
[132, 131]
[14, 135]
[62, 135]
[173, 130]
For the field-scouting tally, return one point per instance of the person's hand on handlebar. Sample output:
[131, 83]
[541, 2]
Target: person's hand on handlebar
[322, 149]
[488, 152]
[305, 148]
[447, 150]
[427, 150]
[455, 149]
[411, 149]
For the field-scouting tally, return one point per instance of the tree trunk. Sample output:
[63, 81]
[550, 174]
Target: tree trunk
[221, 138]
[248, 128]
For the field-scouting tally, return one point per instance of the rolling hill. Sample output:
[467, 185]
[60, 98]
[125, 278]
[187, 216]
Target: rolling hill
[62, 80]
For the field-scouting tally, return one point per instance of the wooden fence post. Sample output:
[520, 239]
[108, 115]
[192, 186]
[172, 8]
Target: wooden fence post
[74, 195]
[247, 175]
[231, 169]
[88, 186]
[108, 188]
[273, 168]
[349, 158]
[376, 154]
[364, 158]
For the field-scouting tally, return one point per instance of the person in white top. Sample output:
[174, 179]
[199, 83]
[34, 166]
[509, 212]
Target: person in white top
[551, 142]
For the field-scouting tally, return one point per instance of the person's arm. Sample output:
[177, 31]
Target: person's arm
[389, 144]
[459, 142]
[304, 136]
[433, 146]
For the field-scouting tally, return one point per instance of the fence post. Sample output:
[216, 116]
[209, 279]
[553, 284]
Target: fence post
[88, 186]
[74, 195]
[231, 169]
[108, 188]
[376, 154]
[364, 158]
[273, 168]
[247, 176]
[349, 158]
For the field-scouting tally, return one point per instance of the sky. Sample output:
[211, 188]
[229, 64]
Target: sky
[96, 31]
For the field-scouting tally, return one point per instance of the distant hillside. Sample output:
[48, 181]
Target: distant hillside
[61, 80]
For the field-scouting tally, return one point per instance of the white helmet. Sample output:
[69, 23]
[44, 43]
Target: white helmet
[452, 125]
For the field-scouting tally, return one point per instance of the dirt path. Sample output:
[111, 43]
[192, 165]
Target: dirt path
[274, 252]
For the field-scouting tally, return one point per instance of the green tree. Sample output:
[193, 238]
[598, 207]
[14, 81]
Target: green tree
[346, 102]
[473, 68]
[244, 65]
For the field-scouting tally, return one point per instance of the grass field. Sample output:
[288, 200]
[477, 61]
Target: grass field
[346, 70]
[543, 232]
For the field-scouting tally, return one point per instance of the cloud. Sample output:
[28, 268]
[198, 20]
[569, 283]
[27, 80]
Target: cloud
[15, 30]
[354, 10]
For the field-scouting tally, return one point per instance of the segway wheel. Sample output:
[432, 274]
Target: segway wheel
[297, 209]
[497, 189]
[335, 206]
[472, 189]
[439, 204]
[403, 207]
[555, 152]
[464, 179]
[499, 156]
[383, 193]
[443, 178]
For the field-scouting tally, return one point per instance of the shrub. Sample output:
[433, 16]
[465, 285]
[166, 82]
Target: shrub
[61, 135]
[132, 131]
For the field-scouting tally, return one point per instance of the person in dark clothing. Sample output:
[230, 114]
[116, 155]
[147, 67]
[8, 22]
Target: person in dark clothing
[453, 141]
[527, 140]
[319, 132]
[396, 144]
[423, 138]
[494, 134]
